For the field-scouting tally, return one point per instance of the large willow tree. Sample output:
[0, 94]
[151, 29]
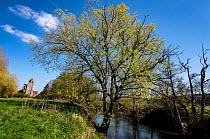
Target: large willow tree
[120, 52]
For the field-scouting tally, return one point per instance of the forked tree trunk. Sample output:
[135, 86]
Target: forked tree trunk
[192, 97]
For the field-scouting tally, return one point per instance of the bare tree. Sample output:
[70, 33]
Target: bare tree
[203, 80]
[190, 77]
[170, 86]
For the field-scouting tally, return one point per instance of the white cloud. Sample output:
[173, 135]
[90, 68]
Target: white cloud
[46, 21]
[23, 11]
[25, 37]
[42, 19]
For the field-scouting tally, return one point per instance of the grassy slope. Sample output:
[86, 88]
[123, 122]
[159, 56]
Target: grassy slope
[22, 120]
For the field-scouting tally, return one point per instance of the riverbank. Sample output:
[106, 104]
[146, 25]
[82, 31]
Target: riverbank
[30, 118]
[162, 118]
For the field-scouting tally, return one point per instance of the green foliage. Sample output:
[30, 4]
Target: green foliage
[207, 112]
[118, 51]
[109, 43]
[21, 94]
[8, 84]
[73, 86]
[8, 81]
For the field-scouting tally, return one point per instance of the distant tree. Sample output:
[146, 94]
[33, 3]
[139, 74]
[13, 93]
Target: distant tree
[3, 61]
[8, 82]
[46, 91]
[73, 86]
[111, 45]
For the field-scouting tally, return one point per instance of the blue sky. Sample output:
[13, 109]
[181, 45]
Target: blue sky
[184, 23]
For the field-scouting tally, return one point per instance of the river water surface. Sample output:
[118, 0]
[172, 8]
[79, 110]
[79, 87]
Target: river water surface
[122, 127]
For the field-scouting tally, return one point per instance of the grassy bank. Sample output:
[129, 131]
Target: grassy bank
[21, 118]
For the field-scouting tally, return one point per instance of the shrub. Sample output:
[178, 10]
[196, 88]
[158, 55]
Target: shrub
[21, 95]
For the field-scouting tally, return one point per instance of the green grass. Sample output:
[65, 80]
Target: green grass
[206, 111]
[23, 119]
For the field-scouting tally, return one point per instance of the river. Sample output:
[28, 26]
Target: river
[122, 127]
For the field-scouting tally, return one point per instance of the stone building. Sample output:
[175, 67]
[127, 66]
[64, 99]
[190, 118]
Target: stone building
[28, 88]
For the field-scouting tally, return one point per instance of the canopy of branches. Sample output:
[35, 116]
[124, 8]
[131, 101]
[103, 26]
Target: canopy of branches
[118, 50]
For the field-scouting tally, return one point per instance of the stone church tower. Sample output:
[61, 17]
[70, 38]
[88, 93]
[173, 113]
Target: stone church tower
[29, 87]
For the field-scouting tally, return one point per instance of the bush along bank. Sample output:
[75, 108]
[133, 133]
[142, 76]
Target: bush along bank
[162, 118]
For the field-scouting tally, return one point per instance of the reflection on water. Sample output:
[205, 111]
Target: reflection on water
[122, 127]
